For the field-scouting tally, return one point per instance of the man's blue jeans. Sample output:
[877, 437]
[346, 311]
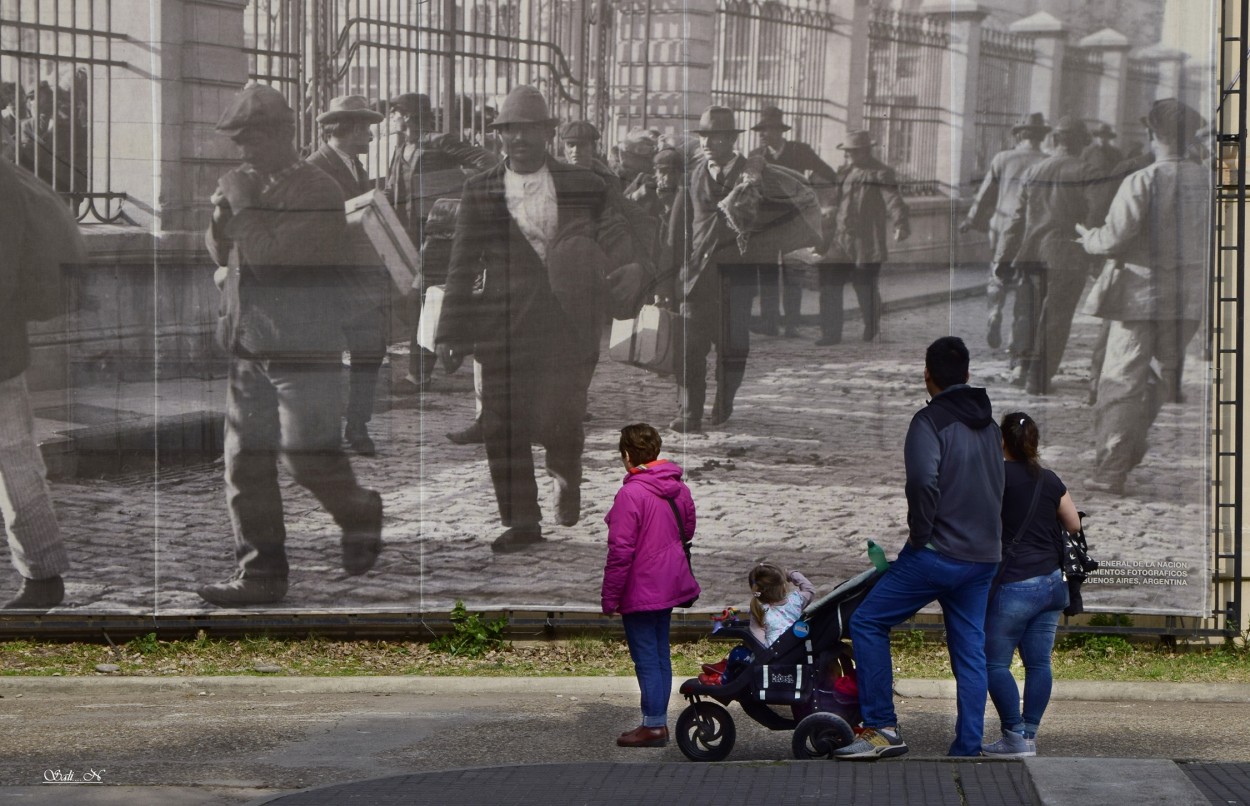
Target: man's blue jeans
[647, 636]
[1023, 614]
[916, 578]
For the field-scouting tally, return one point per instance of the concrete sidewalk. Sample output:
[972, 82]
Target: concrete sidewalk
[386, 741]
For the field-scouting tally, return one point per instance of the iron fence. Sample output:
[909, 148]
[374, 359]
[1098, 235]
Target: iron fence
[903, 95]
[1082, 71]
[770, 53]
[56, 98]
[1003, 78]
[465, 55]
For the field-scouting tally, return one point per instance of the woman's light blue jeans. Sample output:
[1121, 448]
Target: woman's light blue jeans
[1023, 615]
[647, 636]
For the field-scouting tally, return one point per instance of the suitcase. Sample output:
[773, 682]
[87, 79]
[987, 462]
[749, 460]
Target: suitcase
[378, 238]
[431, 310]
[648, 341]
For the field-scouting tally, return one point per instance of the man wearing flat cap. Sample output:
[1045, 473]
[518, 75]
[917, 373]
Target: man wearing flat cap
[580, 139]
[347, 128]
[1056, 194]
[801, 158]
[427, 166]
[1152, 291]
[552, 249]
[867, 198]
[996, 202]
[278, 232]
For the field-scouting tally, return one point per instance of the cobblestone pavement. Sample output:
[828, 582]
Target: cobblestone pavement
[809, 466]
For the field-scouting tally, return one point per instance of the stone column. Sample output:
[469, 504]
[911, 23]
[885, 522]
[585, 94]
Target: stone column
[1114, 47]
[1049, 41]
[668, 54]
[1171, 64]
[186, 60]
[956, 140]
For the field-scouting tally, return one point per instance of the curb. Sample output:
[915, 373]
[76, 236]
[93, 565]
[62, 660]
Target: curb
[1073, 690]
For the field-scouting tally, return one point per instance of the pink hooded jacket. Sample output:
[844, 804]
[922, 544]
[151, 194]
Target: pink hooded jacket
[646, 567]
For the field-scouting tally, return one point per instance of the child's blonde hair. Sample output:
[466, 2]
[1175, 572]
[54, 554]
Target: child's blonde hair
[768, 586]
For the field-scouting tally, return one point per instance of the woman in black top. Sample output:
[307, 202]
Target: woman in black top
[1030, 593]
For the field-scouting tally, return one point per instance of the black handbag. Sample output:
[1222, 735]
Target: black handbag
[685, 544]
[1076, 564]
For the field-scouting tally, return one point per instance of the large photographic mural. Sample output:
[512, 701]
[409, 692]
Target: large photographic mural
[1059, 224]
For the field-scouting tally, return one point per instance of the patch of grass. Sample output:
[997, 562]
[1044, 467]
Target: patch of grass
[915, 656]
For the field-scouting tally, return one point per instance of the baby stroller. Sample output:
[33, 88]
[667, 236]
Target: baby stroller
[799, 670]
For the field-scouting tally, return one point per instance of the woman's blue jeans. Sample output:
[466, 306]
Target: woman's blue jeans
[647, 636]
[1023, 615]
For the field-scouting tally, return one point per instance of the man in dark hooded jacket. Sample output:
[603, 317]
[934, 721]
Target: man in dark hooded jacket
[954, 460]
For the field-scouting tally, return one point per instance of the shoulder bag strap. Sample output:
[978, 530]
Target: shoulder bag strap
[681, 529]
[1024, 527]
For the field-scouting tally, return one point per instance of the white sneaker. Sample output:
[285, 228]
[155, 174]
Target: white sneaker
[1012, 745]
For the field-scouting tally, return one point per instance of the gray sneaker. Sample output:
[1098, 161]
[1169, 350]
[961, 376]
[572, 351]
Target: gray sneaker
[1012, 745]
[873, 744]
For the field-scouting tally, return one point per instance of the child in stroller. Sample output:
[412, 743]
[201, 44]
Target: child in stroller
[809, 668]
[774, 607]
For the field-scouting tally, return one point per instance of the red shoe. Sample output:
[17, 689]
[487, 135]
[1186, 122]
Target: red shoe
[643, 737]
[712, 679]
[715, 668]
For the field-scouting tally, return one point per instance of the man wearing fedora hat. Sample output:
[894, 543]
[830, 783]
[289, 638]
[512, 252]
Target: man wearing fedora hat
[547, 239]
[1101, 155]
[427, 165]
[278, 230]
[996, 202]
[717, 282]
[801, 158]
[1152, 292]
[867, 197]
[1057, 193]
[347, 128]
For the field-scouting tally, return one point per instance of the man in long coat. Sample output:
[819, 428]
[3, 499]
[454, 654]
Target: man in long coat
[543, 234]
[868, 199]
[718, 277]
[800, 158]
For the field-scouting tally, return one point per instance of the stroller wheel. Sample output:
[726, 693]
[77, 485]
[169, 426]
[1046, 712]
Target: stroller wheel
[705, 732]
[819, 734]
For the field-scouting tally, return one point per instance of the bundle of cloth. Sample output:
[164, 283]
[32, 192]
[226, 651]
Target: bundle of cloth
[773, 199]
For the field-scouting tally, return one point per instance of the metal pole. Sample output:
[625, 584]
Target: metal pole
[449, 64]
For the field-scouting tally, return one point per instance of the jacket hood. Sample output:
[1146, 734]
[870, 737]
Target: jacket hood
[662, 478]
[969, 405]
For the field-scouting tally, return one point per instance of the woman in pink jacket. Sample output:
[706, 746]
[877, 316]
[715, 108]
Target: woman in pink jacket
[647, 573]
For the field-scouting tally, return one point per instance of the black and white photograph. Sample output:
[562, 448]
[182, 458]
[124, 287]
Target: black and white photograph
[351, 306]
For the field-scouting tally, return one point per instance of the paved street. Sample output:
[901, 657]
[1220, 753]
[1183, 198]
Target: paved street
[229, 741]
[809, 467]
